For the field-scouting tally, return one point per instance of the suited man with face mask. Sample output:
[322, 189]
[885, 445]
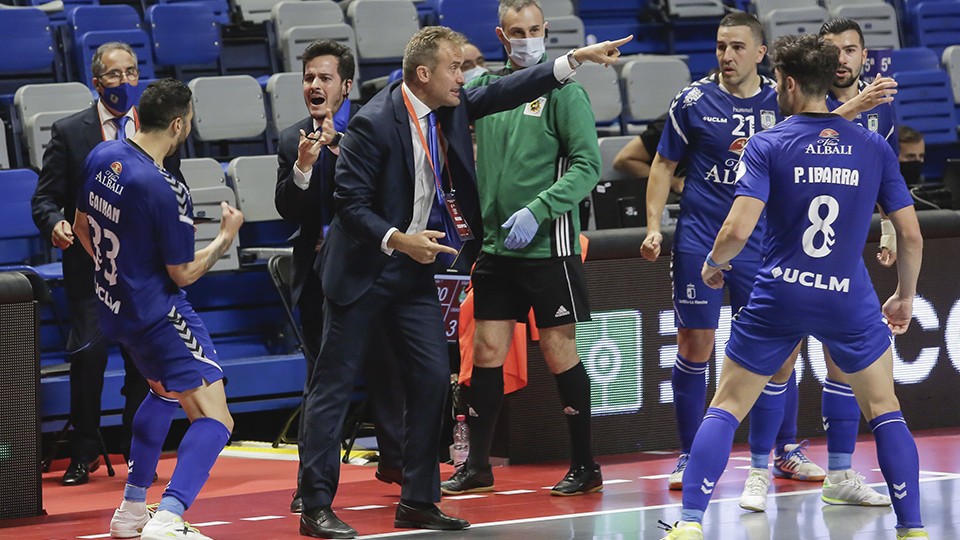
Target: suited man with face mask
[114, 116]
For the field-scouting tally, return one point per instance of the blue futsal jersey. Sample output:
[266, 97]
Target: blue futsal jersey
[140, 221]
[881, 119]
[709, 128]
[820, 177]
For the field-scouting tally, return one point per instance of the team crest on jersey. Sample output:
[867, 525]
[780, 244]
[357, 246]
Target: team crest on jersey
[116, 167]
[692, 97]
[738, 145]
[873, 122]
[767, 119]
[691, 291]
[535, 107]
[828, 133]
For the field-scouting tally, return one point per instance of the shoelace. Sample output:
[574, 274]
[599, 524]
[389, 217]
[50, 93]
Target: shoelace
[755, 483]
[797, 453]
[856, 481]
[682, 462]
[665, 526]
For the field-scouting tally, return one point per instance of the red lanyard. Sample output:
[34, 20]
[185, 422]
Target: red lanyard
[423, 141]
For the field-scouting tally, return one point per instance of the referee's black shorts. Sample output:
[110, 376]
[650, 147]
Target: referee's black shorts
[505, 288]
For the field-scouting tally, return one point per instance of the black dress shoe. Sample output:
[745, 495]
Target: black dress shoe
[467, 480]
[579, 480]
[79, 472]
[389, 475]
[409, 517]
[323, 523]
[296, 505]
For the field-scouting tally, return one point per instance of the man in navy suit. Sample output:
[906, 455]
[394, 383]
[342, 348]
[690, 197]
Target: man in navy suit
[304, 195]
[113, 116]
[377, 259]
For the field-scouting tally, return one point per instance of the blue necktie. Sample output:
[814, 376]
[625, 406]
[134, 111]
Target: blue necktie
[121, 124]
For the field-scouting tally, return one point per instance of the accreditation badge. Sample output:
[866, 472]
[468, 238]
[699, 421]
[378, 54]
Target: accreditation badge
[460, 222]
[535, 107]
[767, 119]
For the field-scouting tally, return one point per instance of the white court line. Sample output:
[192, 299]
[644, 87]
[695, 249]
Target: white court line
[616, 481]
[463, 497]
[210, 524]
[91, 536]
[660, 452]
[739, 459]
[261, 518]
[947, 476]
[662, 476]
[514, 492]
[367, 507]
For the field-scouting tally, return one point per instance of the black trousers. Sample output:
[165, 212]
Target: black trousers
[405, 298]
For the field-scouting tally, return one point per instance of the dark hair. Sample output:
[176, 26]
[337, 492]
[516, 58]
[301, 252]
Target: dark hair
[839, 25]
[909, 135]
[423, 47]
[328, 47]
[809, 59]
[739, 18]
[162, 102]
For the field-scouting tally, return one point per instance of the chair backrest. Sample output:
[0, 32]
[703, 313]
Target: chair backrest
[789, 21]
[255, 11]
[925, 102]
[695, 8]
[295, 39]
[37, 133]
[85, 19]
[26, 39]
[228, 107]
[220, 8]
[31, 99]
[648, 97]
[279, 267]
[17, 186]
[206, 203]
[936, 24]
[185, 33]
[877, 21]
[255, 179]
[609, 148]
[4, 156]
[475, 19]
[832, 5]
[383, 28]
[285, 93]
[138, 40]
[556, 8]
[951, 63]
[913, 59]
[763, 7]
[604, 90]
[202, 173]
[563, 33]
[286, 15]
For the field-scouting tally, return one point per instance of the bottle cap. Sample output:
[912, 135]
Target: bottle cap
[461, 418]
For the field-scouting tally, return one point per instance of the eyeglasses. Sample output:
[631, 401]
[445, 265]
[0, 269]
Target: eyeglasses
[116, 75]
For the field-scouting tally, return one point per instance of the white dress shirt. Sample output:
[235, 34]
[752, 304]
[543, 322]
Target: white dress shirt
[109, 127]
[302, 178]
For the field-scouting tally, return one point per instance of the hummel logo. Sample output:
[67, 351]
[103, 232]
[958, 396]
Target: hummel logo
[707, 486]
[826, 423]
[900, 490]
[562, 312]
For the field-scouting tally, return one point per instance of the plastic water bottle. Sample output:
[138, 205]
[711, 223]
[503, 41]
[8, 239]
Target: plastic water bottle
[460, 448]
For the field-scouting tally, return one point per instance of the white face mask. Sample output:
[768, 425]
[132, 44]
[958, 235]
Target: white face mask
[526, 52]
[473, 73]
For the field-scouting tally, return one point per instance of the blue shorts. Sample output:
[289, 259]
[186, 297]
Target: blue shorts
[176, 351]
[761, 339]
[695, 305]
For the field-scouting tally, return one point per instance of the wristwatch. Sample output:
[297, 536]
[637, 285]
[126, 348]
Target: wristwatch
[335, 141]
[574, 64]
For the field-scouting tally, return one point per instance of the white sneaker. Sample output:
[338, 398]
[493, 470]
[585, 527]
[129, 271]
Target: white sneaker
[754, 496]
[676, 477]
[794, 465]
[847, 487]
[165, 525]
[129, 519]
[683, 530]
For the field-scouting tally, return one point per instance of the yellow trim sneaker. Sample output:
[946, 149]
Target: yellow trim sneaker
[912, 533]
[684, 530]
[847, 487]
[754, 496]
[129, 519]
[165, 525]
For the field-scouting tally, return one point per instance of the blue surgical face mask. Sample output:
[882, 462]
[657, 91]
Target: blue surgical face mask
[119, 98]
[526, 52]
[473, 73]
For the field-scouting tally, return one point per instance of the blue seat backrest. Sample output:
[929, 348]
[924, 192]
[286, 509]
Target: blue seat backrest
[19, 237]
[220, 8]
[138, 40]
[26, 41]
[925, 102]
[913, 59]
[476, 20]
[186, 33]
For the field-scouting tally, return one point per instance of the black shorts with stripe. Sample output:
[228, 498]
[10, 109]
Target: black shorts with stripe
[505, 288]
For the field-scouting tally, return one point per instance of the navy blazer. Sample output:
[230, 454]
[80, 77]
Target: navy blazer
[374, 183]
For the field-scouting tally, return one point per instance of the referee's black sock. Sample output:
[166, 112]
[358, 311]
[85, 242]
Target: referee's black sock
[574, 388]
[486, 395]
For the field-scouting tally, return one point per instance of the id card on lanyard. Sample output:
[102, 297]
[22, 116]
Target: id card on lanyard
[448, 197]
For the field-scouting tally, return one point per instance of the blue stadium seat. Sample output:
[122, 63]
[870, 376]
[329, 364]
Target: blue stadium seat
[936, 25]
[138, 40]
[184, 34]
[19, 237]
[220, 8]
[611, 9]
[913, 59]
[647, 38]
[27, 43]
[95, 18]
[925, 102]
[476, 20]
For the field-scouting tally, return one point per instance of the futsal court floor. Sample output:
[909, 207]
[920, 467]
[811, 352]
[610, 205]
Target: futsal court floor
[248, 497]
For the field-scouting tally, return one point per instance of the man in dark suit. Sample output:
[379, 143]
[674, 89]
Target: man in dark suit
[312, 146]
[115, 76]
[378, 258]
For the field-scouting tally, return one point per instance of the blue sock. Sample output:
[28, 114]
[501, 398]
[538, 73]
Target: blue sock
[150, 427]
[198, 451]
[171, 504]
[766, 417]
[689, 398]
[791, 407]
[134, 493]
[841, 420]
[897, 454]
[708, 458]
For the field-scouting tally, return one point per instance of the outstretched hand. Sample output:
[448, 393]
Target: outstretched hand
[605, 52]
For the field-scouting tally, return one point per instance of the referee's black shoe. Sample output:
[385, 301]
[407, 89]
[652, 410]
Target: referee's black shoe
[467, 480]
[579, 480]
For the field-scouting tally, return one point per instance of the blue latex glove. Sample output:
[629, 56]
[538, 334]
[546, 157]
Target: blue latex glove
[522, 227]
